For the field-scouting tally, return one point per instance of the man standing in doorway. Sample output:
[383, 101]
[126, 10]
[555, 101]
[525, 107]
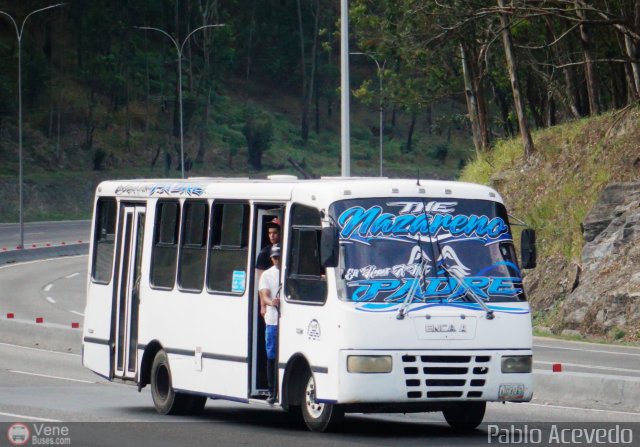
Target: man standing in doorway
[269, 288]
[264, 262]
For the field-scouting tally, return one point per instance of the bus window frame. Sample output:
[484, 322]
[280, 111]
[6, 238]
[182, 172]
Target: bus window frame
[181, 243]
[156, 229]
[94, 253]
[247, 246]
[290, 246]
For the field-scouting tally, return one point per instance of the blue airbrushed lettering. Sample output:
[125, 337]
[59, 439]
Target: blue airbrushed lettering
[373, 222]
[368, 290]
[502, 286]
[438, 287]
[396, 290]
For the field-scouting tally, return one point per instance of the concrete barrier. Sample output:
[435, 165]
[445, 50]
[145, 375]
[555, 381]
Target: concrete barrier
[54, 337]
[32, 254]
[575, 389]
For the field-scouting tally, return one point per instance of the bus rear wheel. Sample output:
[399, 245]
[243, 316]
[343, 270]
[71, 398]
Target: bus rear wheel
[165, 399]
[465, 416]
[318, 417]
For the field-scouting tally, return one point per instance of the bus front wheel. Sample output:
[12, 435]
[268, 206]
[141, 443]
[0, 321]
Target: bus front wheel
[165, 399]
[465, 416]
[318, 416]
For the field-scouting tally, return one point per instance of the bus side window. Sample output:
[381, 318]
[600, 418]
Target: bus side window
[228, 250]
[306, 280]
[193, 250]
[165, 244]
[104, 239]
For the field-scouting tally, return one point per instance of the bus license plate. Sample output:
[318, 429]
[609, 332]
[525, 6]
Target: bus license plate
[511, 391]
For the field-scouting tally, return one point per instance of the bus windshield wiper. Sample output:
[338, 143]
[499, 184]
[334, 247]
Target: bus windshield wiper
[402, 312]
[469, 292]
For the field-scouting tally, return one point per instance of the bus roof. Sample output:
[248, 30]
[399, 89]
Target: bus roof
[324, 190]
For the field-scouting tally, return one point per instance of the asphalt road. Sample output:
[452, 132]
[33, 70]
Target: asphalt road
[51, 289]
[48, 385]
[587, 357]
[42, 233]
[39, 386]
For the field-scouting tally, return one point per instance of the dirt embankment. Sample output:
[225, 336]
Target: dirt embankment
[581, 192]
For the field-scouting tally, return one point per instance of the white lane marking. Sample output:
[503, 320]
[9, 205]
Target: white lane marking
[587, 350]
[51, 300]
[48, 287]
[39, 350]
[595, 410]
[50, 377]
[607, 368]
[33, 418]
[77, 313]
[72, 275]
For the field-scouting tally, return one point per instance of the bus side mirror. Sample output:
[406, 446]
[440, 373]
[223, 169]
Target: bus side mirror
[329, 247]
[528, 248]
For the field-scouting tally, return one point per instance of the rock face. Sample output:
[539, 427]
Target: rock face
[606, 301]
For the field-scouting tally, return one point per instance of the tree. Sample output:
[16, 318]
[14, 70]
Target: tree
[258, 131]
[513, 77]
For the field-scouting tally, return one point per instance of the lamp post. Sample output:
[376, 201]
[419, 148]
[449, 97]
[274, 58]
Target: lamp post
[19, 33]
[179, 49]
[345, 127]
[380, 68]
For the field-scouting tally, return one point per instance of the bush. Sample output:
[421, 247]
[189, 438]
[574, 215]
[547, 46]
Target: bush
[258, 131]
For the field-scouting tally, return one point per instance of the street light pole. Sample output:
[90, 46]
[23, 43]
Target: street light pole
[381, 109]
[179, 49]
[19, 33]
[345, 127]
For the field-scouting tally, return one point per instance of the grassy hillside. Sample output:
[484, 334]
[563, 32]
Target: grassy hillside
[554, 190]
[556, 187]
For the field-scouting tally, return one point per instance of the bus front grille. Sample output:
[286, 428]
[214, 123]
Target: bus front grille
[445, 376]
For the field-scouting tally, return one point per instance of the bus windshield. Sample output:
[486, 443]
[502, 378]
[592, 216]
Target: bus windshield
[398, 250]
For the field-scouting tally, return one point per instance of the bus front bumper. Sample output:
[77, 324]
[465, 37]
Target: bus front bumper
[422, 376]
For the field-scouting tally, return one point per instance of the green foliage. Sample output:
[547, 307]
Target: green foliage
[258, 131]
[555, 189]
[113, 88]
[618, 333]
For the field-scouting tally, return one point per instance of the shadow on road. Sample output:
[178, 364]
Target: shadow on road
[355, 427]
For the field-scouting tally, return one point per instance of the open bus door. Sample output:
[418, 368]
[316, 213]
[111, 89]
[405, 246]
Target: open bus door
[127, 295]
[258, 356]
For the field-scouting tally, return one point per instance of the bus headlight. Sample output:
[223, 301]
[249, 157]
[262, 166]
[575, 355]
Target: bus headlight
[369, 363]
[517, 364]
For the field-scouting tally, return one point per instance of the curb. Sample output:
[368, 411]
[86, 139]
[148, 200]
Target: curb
[32, 254]
[618, 393]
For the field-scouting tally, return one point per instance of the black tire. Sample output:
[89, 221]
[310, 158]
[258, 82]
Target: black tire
[465, 416]
[293, 416]
[318, 417]
[165, 399]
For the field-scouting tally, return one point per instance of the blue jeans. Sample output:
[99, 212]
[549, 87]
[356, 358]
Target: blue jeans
[271, 338]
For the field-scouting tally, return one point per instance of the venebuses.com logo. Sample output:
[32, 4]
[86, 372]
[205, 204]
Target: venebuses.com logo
[18, 434]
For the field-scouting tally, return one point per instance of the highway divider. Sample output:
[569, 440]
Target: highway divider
[48, 336]
[577, 389]
[33, 254]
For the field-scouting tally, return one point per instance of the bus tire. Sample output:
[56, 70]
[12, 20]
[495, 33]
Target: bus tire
[165, 399]
[465, 416]
[318, 417]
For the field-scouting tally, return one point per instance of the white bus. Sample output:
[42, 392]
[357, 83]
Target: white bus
[396, 296]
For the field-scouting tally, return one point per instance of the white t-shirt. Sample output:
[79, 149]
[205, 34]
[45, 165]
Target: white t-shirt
[270, 279]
